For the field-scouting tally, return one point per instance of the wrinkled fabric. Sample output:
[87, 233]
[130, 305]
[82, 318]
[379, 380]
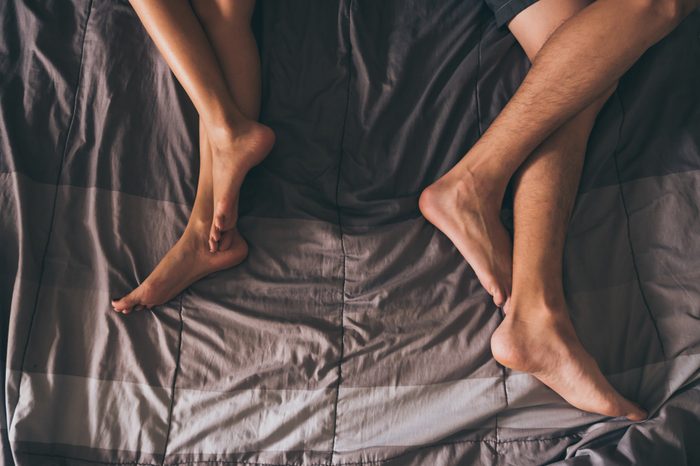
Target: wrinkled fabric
[505, 10]
[354, 333]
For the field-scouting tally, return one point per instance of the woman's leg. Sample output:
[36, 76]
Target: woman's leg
[190, 259]
[197, 51]
[231, 46]
[227, 24]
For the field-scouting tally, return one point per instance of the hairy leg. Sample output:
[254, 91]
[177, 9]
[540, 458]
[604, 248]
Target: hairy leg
[456, 209]
[226, 109]
[190, 258]
[476, 230]
[577, 65]
[537, 335]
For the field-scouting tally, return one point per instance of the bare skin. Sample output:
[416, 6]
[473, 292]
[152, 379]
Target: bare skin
[190, 258]
[229, 170]
[226, 70]
[537, 335]
[210, 48]
[227, 24]
[578, 64]
[471, 222]
[547, 347]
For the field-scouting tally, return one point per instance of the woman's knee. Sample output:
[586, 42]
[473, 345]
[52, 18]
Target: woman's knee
[224, 12]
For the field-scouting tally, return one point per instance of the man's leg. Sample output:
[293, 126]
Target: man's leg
[577, 65]
[238, 142]
[227, 27]
[537, 335]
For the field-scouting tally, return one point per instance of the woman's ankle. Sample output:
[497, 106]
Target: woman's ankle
[224, 128]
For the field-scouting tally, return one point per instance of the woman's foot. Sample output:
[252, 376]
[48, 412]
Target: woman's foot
[185, 263]
[545, 345]
[469, 215]
[234, 153]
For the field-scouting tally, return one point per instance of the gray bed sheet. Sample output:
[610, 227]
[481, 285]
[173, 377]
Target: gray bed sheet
[354, 333]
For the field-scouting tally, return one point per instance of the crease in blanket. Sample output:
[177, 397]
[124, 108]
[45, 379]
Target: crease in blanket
[480, 127]
[52, 214]
[345, 40]
[354, 333]
[618, 99]
[175, 371]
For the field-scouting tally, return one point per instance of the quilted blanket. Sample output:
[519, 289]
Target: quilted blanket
[354, 333]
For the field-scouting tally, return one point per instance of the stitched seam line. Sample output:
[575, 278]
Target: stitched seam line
[342, 242]
[349, 463]
[629, 227]
[53, 206]
[507, 4]
[477, 93]
[172, 389]
[481, 132]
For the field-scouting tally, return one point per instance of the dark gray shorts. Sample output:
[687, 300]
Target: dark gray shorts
[505, 10]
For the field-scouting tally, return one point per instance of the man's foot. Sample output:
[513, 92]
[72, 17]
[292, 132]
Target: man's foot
[469, 215]
[546, 346]
[185, 263]
[233, 155]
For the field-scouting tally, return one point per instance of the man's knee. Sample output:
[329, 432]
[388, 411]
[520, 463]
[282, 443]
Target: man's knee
[664, 13]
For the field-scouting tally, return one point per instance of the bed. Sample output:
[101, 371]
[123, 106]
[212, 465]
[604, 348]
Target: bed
[354, 333]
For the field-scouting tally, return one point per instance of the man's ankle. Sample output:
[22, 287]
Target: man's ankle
[542, 302]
